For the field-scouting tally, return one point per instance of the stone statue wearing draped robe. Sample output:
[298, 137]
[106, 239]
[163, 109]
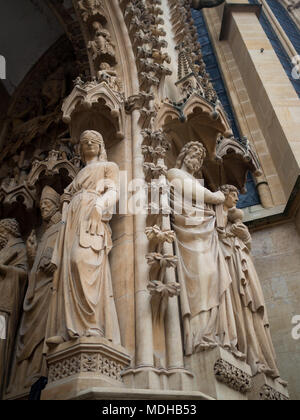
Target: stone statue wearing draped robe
[82, 302]
[254, 339]
[29, 364]
[13, 282]
[205, 299]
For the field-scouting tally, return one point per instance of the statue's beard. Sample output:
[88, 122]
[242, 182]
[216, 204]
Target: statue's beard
[3, 242]
[194, 164]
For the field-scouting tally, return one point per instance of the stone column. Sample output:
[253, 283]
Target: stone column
[144, 345]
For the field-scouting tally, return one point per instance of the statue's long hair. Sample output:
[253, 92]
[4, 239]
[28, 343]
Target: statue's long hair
[227, 189]
[185, 150]
[102, 157]
[11, 226]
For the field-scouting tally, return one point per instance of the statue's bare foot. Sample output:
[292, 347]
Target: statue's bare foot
[239, 355]
[73, 335]
[55, 341]
[93, 332]
[204, 346]
[282, 382]
[261, 368]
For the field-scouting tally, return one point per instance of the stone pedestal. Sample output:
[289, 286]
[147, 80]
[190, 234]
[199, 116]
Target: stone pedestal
[220, 375]
[81, 365]
[266, 389]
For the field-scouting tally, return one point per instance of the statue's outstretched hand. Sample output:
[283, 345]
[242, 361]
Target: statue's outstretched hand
[66, 198]
[50, 268]
[94, 224]
[241, 231]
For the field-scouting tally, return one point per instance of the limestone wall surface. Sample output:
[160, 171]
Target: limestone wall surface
[276, 253]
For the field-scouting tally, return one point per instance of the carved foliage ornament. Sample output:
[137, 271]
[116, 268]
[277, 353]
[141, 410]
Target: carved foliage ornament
[267, 393]
[90, 8]
[85, 362]
[232, 376]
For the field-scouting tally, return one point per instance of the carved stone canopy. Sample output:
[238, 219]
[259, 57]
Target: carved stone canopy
[22, 194]
[237, 158]
[55, 169]
[196, 115]
[228, 160]
[95, 106]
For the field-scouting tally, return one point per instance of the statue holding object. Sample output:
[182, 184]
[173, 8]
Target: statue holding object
[29, 364]
[82, 303]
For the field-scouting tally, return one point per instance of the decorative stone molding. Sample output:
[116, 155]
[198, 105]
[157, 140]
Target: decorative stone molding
[192, 75]
[85, 362]
[156, 287]
[232, 376]
[267, 393]
[91, 9]
[143, 18]
[156, 258]
[160, 294]
[92, 356]
[159, 235]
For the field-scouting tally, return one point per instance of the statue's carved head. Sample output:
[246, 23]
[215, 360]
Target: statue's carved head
[49, 203]
[231, 195]
[8, 227]
[192, 155]
[91, 145]
[105, 66]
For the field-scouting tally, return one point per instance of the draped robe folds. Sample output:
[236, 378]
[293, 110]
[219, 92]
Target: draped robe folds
[29, 363]
[205, 281]
[83, 303]
[254, 337]
[12, 291]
